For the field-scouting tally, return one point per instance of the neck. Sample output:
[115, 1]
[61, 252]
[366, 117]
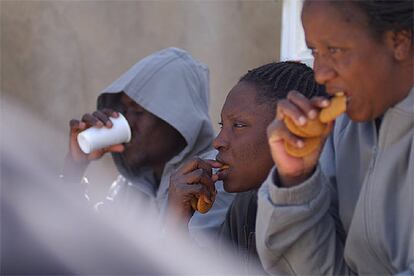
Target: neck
[158, 170]
[404, 82]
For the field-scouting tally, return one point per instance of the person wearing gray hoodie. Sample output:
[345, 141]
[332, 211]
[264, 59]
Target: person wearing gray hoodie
[351, 211]
[164, 98]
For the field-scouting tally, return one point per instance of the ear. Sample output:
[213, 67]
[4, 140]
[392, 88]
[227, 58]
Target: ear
[401, 44]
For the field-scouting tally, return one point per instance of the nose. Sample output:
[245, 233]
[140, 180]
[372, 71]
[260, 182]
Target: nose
[220, 143]
[323, 70]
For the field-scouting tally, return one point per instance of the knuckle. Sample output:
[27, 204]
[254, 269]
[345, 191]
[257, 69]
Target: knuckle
[197, 160]
[199, 173]
[73, 123]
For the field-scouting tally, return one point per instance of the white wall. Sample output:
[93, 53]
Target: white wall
[293, 46]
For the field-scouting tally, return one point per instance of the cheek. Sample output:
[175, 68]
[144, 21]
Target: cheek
[253, 162]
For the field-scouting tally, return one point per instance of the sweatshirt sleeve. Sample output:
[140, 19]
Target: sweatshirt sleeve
[298, 229]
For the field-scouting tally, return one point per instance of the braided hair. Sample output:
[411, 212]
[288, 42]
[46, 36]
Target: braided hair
[273, 81]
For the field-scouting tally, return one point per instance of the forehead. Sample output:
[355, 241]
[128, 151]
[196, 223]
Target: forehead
[127, 101]
[324, 20]
[242, 100]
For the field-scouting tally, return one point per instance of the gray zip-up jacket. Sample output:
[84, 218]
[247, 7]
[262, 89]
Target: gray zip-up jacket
[174, 86]
[355, 214]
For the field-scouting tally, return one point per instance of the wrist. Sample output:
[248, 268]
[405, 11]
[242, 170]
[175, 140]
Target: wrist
[73, 170]
[288, 181]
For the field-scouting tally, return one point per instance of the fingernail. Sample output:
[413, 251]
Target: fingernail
[302, 120]
[325, 103]
[300, 144]
[312, 114]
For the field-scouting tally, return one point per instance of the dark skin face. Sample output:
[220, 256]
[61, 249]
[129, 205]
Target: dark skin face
[374, 74]
[242, 144]
[242, 141]
[154, 142]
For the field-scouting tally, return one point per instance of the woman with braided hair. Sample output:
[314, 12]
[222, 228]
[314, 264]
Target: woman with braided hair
[243, 150]
[349, 208]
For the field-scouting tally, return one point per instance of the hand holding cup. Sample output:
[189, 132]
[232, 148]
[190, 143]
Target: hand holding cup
[103, 125]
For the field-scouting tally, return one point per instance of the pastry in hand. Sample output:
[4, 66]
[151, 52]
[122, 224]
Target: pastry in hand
[336, 108]
[200, 205]
[314, 129]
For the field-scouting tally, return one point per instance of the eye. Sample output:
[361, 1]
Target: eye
[220, 124]
[334, 50]
[239, 125]
[314, 51]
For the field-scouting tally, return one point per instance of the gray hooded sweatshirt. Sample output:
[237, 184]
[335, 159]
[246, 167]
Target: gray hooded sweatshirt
[355, 214]
[175, 87]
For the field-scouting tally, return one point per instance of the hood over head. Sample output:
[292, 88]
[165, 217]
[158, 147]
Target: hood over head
[173, 86]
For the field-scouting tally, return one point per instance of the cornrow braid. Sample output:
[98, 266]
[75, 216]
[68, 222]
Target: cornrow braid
[273, 81]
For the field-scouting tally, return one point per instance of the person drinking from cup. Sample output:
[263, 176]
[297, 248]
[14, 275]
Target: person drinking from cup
[164, 98]
[349, 211]
[243, 160]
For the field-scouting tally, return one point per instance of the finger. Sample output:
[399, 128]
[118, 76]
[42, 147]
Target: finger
[115, 148]
[320, 102]
[196, 190]
[104, 118]
[110, 112]
[198, 176]
[288, 108]
[277, 131]
[76, 126]
[92, 120]
[100, 152]
[213, 163]
[195, 164]
[303, 103]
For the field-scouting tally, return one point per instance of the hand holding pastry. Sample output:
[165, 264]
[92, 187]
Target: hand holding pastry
[192, 188]
[314, 129]
[298, 133]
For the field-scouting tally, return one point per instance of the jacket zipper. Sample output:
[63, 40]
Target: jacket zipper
[367, 212]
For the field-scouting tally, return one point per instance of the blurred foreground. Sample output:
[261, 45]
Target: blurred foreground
[48, 227]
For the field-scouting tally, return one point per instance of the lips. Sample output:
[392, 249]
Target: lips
[223, 171]
[332, 91]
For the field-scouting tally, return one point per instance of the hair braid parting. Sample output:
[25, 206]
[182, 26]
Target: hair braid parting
[274, 80]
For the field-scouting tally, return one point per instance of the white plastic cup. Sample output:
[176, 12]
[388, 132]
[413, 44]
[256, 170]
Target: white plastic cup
[97, 138]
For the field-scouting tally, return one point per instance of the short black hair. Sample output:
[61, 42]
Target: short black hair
[383, 15]
[274, 80]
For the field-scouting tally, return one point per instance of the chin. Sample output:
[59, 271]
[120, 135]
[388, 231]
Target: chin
[358, 117]
[229, 187]
[232, 187]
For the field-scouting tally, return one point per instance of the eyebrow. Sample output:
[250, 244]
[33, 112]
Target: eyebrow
[241, 115]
